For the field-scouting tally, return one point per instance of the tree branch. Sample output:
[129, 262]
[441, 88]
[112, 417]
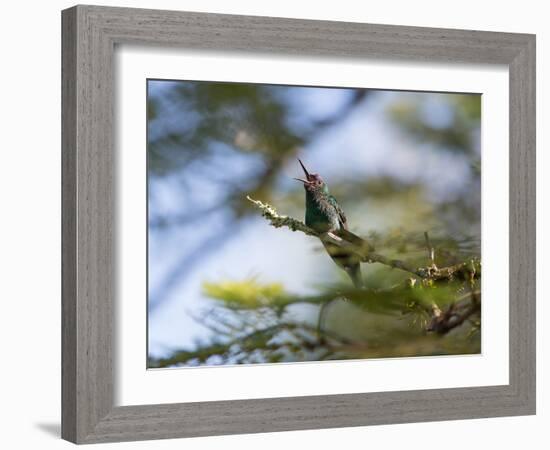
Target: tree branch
[465, 270]
[456, 314]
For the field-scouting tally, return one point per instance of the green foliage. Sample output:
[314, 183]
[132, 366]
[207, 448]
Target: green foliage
[253, 322]
[248, 294]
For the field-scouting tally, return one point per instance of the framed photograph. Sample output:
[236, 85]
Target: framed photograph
[278, 224]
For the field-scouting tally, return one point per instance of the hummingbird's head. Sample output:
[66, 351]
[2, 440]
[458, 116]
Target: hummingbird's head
[313, 181]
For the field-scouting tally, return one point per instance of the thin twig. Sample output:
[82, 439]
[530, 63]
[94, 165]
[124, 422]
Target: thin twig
[431, 251]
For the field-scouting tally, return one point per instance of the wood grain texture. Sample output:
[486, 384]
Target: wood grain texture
[522, 282]
[89, 210]
[89, 36]
[68, 225]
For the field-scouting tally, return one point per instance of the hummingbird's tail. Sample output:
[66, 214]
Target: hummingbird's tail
[354, 272]
[347, 261]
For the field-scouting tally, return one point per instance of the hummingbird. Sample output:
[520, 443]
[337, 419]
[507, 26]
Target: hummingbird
[324, 214]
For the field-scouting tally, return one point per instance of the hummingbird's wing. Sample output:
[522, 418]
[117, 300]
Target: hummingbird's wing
[347, 235]
[341, 216]
[344, 233]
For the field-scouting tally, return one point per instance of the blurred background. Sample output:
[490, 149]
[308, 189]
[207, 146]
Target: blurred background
[225, 287]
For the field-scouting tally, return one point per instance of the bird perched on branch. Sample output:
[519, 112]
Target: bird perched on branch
[325, 215]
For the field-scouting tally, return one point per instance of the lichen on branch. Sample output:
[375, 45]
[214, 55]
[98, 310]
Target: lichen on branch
[279, 221]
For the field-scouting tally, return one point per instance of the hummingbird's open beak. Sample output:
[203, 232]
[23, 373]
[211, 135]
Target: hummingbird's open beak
[303, 167]
[307, 180]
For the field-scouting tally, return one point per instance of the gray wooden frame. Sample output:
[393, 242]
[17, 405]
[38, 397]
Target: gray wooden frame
[88, 155]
